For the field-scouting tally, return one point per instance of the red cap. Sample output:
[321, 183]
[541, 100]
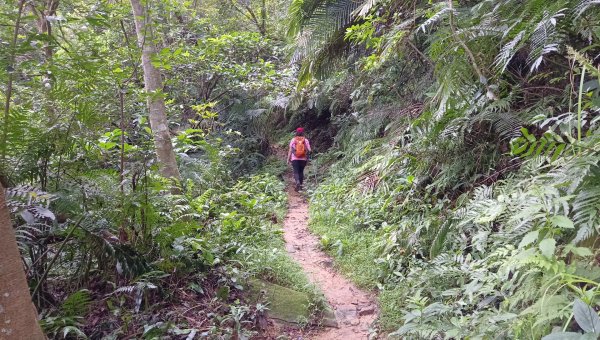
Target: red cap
[300, 130]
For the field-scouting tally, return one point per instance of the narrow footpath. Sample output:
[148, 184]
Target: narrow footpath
[355, 310]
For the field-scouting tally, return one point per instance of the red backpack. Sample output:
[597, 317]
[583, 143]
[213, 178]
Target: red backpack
[300, 147]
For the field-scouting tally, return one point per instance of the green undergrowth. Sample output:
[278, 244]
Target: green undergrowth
[205, 246]
[269, 260]
[334, 222]
[462, 181]
[257, 206]
[353, 241]
[265, 256]
[510, 260]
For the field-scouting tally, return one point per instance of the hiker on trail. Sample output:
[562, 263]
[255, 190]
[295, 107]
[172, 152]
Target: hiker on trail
[298, 156]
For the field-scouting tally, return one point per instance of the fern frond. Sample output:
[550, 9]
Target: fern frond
[76, 304]
[443, 12]
[507, 52]
[585, 5]
[586, 207]
[365, 8]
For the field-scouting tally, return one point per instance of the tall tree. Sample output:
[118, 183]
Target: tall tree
[17, 313]
[156, 103]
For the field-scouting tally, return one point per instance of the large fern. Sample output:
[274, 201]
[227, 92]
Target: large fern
[318, 28]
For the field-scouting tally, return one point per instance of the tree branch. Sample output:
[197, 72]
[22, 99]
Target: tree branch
[252, 16]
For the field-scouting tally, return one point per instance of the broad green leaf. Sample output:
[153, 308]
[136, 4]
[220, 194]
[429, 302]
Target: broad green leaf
[526, 134]
[547, 247]
[516, 146]
[128, 147]
[586, 317]
[541, 146]
[107, 145]
[550, 149]
[557, 152]
[579, 251]
[529, 238]
[558, 138]
[531, 149]
[562, 222]
[582, 251]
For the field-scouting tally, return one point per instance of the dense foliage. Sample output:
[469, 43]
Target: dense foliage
[465, 160]
[457, 173]
[110, 249]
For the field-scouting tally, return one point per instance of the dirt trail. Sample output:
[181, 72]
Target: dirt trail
[355, 310]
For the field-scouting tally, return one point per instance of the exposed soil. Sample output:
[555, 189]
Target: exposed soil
[355, 310]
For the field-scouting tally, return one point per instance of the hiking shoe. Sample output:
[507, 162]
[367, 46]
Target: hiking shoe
[298, 187]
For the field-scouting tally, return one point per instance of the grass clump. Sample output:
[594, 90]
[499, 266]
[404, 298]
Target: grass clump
[342, 235]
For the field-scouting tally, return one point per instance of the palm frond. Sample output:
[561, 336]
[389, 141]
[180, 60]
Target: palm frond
[318, 28]
[585, 5]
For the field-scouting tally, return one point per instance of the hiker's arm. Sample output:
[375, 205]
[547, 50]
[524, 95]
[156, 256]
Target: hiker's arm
[289, 156]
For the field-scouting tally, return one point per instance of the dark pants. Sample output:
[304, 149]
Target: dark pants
[298, 167]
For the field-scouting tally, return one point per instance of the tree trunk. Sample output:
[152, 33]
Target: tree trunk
[18, 317]
[156, 102]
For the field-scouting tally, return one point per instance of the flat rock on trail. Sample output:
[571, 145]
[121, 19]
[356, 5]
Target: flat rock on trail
[355, 310]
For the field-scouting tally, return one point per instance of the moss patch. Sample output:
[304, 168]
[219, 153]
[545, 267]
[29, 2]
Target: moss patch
[284, 304]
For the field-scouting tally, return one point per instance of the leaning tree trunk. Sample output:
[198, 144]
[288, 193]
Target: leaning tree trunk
[156, 102]
[18, 317]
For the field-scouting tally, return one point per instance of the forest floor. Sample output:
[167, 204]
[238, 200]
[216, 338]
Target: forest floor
[355, 310]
